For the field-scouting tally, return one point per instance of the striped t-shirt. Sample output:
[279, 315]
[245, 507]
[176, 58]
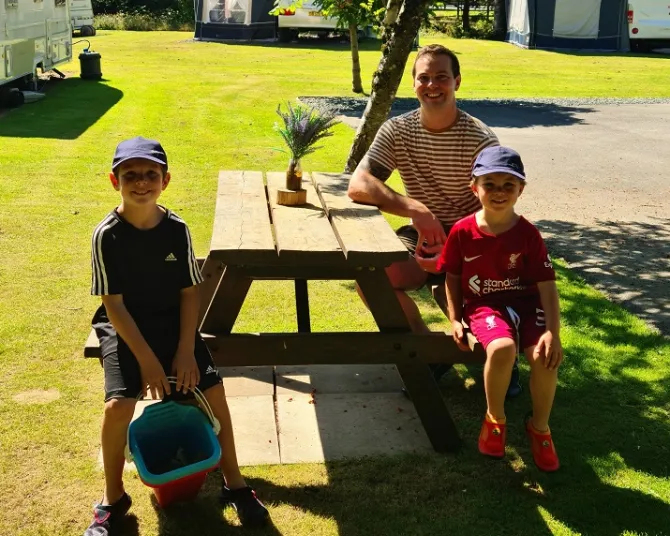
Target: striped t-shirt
[435, 167]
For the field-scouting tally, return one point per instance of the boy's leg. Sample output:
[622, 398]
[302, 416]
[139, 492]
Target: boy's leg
[116, 419]
[216, 397]
[500, 356]
[542, 389]
[235, 491]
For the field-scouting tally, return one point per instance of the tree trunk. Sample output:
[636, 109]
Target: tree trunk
[500, 19]
[399, 40]
[356, 83]
[466, 15]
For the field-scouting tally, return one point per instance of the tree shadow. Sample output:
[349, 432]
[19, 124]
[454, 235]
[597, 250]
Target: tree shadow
[629, 261]
[507, 113]
[307, 43]
[70, 107]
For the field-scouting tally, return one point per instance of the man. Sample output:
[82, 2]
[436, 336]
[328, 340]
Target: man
[433, 149]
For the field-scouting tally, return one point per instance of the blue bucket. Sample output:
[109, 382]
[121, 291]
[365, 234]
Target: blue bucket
[170, 441]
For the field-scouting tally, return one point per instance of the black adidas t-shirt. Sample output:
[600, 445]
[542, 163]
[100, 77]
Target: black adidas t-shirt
[148, 267]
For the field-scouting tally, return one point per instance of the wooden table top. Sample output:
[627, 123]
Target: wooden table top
[250, 228]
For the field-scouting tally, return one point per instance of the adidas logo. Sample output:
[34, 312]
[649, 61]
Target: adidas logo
[210, 370]
[170, 257]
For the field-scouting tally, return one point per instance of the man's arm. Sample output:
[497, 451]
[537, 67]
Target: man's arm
[367, 186]
[124, 324]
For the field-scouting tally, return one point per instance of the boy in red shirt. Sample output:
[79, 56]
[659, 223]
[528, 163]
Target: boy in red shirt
[500, 280]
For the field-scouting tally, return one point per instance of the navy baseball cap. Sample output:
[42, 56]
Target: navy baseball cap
[139, 147]
[498, 160]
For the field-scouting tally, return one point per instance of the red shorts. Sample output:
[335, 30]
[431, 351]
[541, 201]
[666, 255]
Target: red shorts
[521, 316]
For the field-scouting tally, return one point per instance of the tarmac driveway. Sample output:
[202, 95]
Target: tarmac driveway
[598, 187]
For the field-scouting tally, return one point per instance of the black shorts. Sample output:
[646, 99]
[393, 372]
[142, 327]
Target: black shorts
[409, 236]
[122, 371]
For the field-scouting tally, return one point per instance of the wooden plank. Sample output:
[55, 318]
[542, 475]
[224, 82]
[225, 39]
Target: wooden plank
[92, 347]
[364, 234]
[341, 348]
[228, 299]
[303, 233]
[242, 233]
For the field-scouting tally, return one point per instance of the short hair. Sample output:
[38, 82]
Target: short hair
[438, 50]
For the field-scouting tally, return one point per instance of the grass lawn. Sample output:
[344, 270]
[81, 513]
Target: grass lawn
[212, 106]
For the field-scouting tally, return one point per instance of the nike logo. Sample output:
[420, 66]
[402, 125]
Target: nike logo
[468, 259]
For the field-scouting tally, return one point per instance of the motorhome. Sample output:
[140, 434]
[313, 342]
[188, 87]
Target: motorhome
[308, 17]
[33, 34]
[81, 12]
[649, 24]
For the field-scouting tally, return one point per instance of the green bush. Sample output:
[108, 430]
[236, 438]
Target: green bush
[480, 28]
[144, 22]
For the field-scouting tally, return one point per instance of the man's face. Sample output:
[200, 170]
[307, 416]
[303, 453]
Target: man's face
[434, 83]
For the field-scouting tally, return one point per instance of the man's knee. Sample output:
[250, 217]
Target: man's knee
[406, 275]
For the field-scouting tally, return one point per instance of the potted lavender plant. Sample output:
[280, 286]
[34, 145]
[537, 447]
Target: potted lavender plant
[301, 128]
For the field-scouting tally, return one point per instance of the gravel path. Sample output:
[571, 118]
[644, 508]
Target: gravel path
[597, 189]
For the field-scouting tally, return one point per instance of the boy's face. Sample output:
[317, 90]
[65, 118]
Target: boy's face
[498, 191]
[139, 181]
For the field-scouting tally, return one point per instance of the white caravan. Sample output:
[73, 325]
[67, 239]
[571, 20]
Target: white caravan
[33, 34]
[81, 12]
[649, 24]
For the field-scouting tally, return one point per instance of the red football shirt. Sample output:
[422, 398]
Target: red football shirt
[496, 267]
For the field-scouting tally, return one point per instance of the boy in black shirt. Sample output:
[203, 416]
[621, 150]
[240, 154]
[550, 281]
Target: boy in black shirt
[146, 273]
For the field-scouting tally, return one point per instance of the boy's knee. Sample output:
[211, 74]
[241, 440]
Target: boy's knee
[502, 350]
[120, 409]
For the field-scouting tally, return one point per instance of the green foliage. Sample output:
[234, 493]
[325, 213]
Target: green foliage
[303, 127]
[480, 28]
[144, 15]
[143, 22]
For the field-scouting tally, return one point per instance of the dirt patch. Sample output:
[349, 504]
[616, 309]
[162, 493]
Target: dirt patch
[37, 396]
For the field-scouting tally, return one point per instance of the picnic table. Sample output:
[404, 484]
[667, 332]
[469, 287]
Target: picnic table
[328, 238]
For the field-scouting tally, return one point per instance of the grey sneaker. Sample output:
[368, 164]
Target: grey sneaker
[105, 517]
[250, 510]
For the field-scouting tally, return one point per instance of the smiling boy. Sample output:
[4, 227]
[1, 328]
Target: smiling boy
[500, 280]
[146, 274]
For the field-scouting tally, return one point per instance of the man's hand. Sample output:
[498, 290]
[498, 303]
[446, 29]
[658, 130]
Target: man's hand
[426, 256]
[429, 227]
[458, 333]
[550, 350]
[154, 379]
[185, 368]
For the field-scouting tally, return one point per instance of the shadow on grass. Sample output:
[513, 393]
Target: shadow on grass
[70, 107]
[630, 261]
[606, 421]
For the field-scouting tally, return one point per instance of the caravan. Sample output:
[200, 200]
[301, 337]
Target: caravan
[648, 24]
[33, 34]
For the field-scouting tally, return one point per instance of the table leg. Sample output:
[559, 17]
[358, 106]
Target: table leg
[227, 302]
[211, 271]
[418, 379]
[302, 306]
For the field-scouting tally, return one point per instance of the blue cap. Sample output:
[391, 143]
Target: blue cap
[139, 148]
[498, 160]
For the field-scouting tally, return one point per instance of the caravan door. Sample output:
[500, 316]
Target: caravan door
[649, 22]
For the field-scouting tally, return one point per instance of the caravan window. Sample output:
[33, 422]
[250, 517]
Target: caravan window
[11, 3]
[60, 3]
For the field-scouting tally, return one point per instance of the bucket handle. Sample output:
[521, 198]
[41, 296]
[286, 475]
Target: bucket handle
[204, 405]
